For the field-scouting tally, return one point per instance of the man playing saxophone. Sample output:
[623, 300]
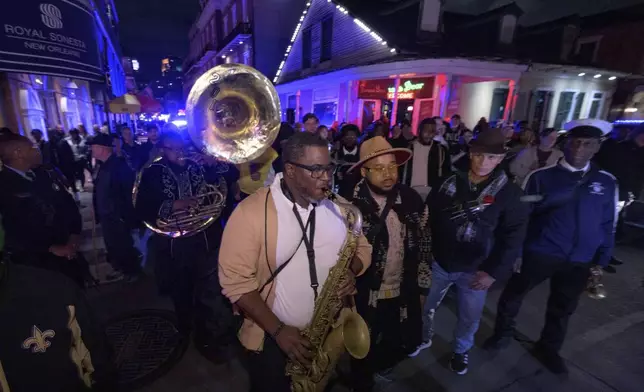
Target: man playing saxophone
[186, 263]
[277, 250]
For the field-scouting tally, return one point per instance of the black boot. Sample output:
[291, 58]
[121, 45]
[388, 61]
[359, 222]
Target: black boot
[550, 359]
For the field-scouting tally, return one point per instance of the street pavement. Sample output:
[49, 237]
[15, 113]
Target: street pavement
[604, 349]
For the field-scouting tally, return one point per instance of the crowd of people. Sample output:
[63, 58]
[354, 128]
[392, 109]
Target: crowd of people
[443, 207]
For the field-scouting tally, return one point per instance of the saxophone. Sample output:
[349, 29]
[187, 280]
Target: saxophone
[334, 327]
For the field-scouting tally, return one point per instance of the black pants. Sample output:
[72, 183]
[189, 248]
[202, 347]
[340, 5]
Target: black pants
[266, 369]
[186, 270]
[79, 170]
[386, 345]
[567, 282]
[121, 253]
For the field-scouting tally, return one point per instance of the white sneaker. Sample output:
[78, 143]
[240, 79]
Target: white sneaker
[420, 348]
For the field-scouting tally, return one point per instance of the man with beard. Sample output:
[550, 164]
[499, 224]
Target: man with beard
[478, 225]
[278, 247]
[347, 155]
[430, 161]
[571, 228]
[395, 220]
[186, 265]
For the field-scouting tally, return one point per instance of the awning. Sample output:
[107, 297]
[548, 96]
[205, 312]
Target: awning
[127, 103]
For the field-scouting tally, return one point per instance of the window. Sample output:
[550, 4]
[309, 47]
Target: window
[596, 105]
[306, 49]
[326, 112]
[563, 108]
[508, 25]
[579, 101]
[233, 12]
[225, 18]
[587, 48]
[327, 39]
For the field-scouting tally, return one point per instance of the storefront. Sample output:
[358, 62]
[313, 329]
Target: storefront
[52, 62]
[545, 95]
[404, 90]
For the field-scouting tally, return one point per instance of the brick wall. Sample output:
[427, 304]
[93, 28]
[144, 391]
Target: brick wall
[351, 45]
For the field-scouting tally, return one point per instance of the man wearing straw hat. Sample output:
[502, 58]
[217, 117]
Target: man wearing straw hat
[395, 224]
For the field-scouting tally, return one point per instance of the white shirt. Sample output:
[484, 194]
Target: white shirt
[421, 164]
[294, 298]
[569, 167]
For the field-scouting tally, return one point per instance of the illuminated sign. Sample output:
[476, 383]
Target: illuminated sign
[135, 64]
[386, 89]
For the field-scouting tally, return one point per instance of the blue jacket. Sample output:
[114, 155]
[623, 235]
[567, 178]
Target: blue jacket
[576, 219]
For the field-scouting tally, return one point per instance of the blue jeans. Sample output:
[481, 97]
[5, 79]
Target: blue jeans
[470, 306]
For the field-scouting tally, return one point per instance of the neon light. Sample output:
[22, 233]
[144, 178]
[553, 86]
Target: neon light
[629, 122]
[406, 87]
[409, 95]
[366, 28]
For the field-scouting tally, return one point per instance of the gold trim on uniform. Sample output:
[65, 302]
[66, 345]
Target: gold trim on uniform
[4, 384]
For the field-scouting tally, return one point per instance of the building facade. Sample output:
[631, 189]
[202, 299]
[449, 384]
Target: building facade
[60, 64]
[250, 32]
[354, 62]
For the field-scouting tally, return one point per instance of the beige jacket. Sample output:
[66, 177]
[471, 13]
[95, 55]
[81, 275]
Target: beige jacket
[527, 161]
[243, 263]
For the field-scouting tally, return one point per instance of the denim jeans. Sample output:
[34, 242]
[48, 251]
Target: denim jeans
[470, 306]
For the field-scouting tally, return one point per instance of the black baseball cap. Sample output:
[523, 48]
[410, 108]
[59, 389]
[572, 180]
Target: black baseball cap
[102, 139]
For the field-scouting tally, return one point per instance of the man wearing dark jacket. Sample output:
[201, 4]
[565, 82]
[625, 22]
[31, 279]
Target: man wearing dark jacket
[41, 220]
[395, 220]
[430, 163]
[114, 209]
[478, 225]
[571, 227]
[48, 338]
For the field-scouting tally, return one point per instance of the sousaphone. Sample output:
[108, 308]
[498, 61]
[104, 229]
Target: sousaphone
[233, 114]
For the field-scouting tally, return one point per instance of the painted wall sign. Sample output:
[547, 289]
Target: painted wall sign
[55, 37]
[385, 88]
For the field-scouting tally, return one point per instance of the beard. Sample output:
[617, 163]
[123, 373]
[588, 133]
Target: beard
[379, 191]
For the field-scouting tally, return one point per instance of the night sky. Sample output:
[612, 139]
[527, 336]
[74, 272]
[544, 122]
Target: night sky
[152, 29]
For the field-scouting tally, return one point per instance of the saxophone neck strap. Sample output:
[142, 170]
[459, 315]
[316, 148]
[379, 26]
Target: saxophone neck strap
[307, 239]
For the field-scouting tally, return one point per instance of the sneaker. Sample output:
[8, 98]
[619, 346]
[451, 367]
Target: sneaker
[420, 348]
[496, 343]
[458, 363]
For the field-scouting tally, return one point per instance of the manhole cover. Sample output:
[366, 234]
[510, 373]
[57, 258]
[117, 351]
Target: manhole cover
[145, 346]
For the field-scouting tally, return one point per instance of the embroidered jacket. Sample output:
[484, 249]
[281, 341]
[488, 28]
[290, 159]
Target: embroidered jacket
[162, 183]
[416, 275]
[478, 227]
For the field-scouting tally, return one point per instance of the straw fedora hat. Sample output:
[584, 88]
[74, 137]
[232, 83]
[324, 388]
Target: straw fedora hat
[377, 146]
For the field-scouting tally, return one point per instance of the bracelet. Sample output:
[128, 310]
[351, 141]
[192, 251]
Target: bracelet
[278, 330]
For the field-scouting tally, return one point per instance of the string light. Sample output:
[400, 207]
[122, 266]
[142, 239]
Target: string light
[340, 8]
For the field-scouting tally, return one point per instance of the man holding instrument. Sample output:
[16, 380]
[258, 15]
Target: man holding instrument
[186, 263]
[275, 257]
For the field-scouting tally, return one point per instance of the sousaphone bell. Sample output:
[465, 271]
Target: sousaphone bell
[233, 114]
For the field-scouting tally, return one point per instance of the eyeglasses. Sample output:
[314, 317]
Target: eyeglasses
[380, 170]
[316, 170]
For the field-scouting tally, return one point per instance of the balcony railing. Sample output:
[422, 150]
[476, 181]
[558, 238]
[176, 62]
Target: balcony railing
[242, 30]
